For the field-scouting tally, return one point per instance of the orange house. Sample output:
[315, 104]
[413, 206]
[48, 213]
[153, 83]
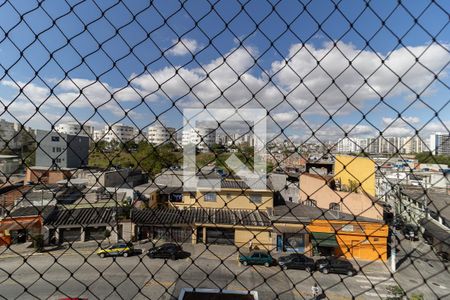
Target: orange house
[19, 229]
[353, 239]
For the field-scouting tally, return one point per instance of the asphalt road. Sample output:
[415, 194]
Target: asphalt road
[138, 277]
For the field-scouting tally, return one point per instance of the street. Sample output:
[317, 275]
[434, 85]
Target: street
[82, 273]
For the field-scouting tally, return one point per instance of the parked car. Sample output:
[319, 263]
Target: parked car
[297, 261]
[256, 258]
[168, 251]
[120, 249]
[399, 223]
[411, 232]
[335, 265]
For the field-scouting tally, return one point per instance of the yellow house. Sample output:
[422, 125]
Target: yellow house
[232, 194]
[360, 170]
[232, 214]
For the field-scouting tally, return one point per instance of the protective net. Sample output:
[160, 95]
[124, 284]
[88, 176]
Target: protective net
[224, 149]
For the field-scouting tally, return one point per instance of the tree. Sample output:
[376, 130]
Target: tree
[395, 292]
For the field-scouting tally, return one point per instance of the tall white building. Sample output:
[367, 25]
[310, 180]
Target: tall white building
[118, 132]
[98, 135]
[159, 134]
[347, 145]
[139, 135]
[440, 143]
[8, 135]
[75, 128]
[202, 138]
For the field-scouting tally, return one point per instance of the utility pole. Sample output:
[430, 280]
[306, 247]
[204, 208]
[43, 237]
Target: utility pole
[394, 222]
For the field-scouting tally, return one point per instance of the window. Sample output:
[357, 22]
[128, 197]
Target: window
[335, 206]
[256, 198]
[55, 138]
[310, 202]
[210, 197]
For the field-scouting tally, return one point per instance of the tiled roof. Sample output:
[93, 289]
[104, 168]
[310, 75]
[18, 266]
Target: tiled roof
[29, 211]
[171, 216]
[304, 213]
[83, 216]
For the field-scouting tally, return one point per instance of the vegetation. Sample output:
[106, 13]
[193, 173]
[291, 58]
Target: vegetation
[395, 292]
[153, 159]
[143, 156]
[428, 158]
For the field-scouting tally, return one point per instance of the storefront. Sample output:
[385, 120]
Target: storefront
[95, 233]
[324, 244]
[220, 236]
[70, 234]
[167, 234]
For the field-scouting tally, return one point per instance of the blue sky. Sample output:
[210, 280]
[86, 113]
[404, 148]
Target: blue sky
[132, 61]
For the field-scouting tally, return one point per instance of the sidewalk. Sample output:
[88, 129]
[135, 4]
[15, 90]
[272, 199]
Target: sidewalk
[26, 249]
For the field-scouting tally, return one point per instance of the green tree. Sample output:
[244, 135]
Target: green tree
[395, 292]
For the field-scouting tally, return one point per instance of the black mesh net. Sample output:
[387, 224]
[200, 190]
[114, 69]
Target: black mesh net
[224, 149]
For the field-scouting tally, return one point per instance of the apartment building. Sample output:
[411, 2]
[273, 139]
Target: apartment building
[203, 138]
[75, 128]
[440, 143]
[8, 135]
[382, 144]
[119, 133]
[61, 150]
[160, 134]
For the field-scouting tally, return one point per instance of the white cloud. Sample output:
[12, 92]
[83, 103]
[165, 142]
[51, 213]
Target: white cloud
[183, 47]
[233, 81]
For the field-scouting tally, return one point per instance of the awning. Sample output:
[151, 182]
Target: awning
[18, 225]
[324, 239]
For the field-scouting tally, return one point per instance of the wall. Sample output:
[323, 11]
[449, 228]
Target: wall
[77, 153]
[74, 149]
[233, 199]
[359, 169]
[259, 237]
[7, 199]
[354, 244]
[357, 204]
[45, 175]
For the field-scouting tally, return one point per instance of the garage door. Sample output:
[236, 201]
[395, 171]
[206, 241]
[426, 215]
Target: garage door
[95, 233]
[70, 234]
[220, 236]
[173, 234]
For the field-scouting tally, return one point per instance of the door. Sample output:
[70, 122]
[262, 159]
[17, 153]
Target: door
[355, 250]
[279, 243]
[220, 236]
[200, 235]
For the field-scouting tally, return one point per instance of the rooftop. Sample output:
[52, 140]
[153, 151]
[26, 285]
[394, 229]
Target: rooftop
[438, 200]
[304, 213]
[172, 216]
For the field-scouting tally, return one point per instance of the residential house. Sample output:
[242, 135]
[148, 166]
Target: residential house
[317, 231]
[23, 224]
[320, 191]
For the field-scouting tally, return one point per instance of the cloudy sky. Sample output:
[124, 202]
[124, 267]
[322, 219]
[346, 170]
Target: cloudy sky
[319, 68]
